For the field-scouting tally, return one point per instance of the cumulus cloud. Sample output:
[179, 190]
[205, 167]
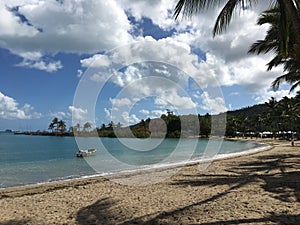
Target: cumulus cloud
[213, 105]
[61, 115]
[120, 102]
[128, 119]
[107, 113]
[145, 112]
[84, 27]
[11, 25]
[159, 11]
[41, 65]
[265, 95]
[162, 68]
[78, 114]
[9, 109]
[171, 98]
[157, 112]
[97, 60]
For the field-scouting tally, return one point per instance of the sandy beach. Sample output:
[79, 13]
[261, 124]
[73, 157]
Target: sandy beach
[261, 188]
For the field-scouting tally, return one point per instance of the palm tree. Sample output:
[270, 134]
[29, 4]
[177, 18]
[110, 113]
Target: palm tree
[61, 126]
[285, 52]
[53, 124]
[87, 126]
[273, 116]
[51, 127]
[103, 126]
[289, 112]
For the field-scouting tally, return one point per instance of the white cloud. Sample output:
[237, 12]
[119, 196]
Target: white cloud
[213, 105]
[107, 113]
[145, 112]
[9, 109]
[79, 73]
[78, 114]
[120, 102]
[159, 11]
[264, 95]
[171, 98]
[157, 113]
[97, 60]
[128, 119]
[11, 25]
[41, 65]
[61, 115]
[62, 26]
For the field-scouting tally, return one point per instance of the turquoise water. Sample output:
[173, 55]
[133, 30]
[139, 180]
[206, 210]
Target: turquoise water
[37, 159]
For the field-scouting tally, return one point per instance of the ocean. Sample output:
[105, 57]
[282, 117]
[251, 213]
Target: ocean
[26, 160]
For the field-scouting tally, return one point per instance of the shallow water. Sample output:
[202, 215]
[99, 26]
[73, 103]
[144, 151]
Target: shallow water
[37, 159]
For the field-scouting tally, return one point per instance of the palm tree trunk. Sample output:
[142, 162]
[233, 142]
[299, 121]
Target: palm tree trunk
[295, 19]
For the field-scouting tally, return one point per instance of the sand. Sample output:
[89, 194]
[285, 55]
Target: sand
[261, 188]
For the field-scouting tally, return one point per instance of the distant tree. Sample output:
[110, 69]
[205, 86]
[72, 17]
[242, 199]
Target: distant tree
[61, 126]
[119, 125]
[54, 124]
[103, 126]
[87, 126]
[51, 127]
[205, 125]
[289, 113]
[111, 125]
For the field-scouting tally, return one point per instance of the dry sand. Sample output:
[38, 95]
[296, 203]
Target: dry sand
[262, 188]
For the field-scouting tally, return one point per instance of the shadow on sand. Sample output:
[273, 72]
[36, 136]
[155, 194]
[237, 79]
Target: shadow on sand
[278, 175]
[98, 213]
[15, 222]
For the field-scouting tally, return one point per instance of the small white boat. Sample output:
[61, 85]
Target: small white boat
[84, 153]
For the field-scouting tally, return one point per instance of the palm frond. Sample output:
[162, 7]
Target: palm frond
[189, 8]
[262, 46]
[224, 18]
[276, 61]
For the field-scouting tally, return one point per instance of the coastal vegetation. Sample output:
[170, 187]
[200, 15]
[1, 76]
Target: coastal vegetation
[278, 119]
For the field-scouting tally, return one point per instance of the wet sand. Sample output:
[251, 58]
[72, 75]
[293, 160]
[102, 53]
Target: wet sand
[261, 188]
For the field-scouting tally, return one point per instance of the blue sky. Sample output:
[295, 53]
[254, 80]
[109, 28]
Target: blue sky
[97, 61]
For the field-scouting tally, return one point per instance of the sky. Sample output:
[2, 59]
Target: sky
[123, 61]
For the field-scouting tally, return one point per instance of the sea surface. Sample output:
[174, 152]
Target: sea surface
[26, 160]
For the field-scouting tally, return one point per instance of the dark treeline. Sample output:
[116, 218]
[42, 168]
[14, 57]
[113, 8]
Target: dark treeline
[272, 119]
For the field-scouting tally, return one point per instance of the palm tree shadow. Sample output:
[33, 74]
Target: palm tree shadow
[15, 222]
[98, 213]
[281, 219]
[279, 173]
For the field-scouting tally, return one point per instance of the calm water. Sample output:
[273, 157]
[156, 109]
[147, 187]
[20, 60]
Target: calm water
[37, 159]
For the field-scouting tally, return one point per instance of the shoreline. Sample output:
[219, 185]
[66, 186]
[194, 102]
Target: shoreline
[148, 170]
[258, 188]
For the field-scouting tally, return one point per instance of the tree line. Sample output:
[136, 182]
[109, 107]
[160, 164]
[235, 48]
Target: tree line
[273, 119]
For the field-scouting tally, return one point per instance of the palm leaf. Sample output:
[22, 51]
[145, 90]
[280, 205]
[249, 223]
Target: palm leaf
[191, 7]
[224, 18]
